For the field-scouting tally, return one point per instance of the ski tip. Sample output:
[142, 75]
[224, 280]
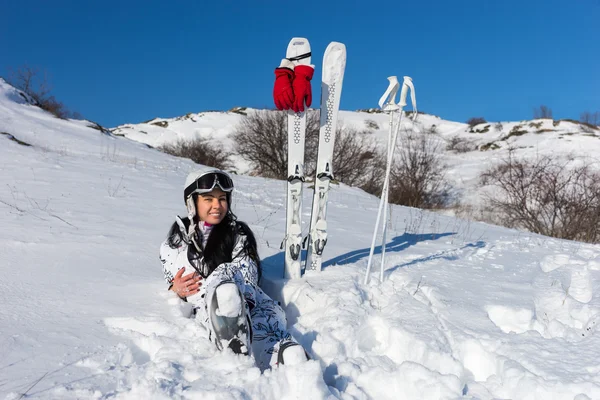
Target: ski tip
[298, 41]
[298, 45]
[298, 48]
[336, 46]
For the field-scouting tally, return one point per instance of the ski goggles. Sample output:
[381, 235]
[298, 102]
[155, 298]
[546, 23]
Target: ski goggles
[207, 182]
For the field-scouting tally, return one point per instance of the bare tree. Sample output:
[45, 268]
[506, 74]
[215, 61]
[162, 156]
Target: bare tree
[261, 139]
[460, 145]
[353, 156]
[28, 79]
[200, 151]
[547, 196]
[542, 112]
[590, 118]
[417, 178]
[35, 84]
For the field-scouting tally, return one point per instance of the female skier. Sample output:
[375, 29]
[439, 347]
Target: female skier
[210, 260]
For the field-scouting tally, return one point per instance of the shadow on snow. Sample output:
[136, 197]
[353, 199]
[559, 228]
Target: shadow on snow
[273, 265]
[450, 254]
[398, 243]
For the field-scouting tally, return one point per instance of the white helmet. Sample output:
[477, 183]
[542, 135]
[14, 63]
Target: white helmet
[204, 181]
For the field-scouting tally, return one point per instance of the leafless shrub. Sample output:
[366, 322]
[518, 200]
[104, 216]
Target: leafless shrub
[498, 126]
[590, 118]
[547, 196]
[542, 112]
[409, 113]
[516, 131]
[417, 178]
[484, 129]
[200, 151]
[370, 110]
[98, 127]
[55, 107]
[36, 85]
[536, 125]
[489, 146]
[354, 155]
[239, 110]
[261, 139]
[476, 121]
[460, 145]
[372, 174]
[370, 124]
[587, 128]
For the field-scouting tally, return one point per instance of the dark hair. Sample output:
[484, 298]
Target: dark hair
[220, 244]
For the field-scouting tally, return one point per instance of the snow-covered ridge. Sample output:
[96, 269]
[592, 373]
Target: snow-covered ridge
[491, 135]
[467, 310]
[466, 150]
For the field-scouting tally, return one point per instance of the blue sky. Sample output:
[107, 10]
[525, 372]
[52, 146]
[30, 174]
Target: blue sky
[129, 61]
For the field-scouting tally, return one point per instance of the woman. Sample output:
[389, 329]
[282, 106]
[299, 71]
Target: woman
[210, 260]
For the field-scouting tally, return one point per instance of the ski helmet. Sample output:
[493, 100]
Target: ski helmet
[204, 181]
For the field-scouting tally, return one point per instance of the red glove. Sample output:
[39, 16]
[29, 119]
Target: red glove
[283, 93]
[301, 85]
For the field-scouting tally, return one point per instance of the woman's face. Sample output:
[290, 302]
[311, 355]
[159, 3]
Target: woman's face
[212, 206]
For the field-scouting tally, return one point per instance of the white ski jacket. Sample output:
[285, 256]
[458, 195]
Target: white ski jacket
[241, 269]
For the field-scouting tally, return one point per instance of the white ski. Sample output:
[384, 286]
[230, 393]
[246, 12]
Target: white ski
[334, 64]
[298, 51]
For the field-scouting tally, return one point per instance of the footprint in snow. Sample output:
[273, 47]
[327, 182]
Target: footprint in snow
[554, 261]
[580, 287]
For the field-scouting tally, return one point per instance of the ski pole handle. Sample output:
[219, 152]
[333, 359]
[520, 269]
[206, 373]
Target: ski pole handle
[386, 102]
[408, 84]
[405, 84]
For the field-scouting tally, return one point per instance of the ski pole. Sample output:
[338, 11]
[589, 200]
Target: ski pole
[392, 141]
[406, 84]
[387, 104]
[385, 193]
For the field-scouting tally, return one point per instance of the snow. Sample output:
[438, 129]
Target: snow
[229, 300]
[466, 310]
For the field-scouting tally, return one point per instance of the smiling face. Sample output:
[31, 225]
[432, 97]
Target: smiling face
[212, 206]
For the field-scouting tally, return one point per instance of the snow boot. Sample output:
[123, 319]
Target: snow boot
[291, 353]
[229, 319]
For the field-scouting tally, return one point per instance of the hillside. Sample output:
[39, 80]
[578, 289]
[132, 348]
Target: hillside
[466, 310]
[466, 151]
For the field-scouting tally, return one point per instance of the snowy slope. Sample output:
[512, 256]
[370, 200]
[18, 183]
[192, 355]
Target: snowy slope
[467, 310]
[489, 142]
[214, 125]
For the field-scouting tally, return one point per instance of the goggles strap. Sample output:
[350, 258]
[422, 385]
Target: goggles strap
[191, 208]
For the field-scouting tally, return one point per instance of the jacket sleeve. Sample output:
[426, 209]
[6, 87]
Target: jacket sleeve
[173, 259]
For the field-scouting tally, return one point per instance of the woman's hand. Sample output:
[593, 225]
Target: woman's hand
[187, 285]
